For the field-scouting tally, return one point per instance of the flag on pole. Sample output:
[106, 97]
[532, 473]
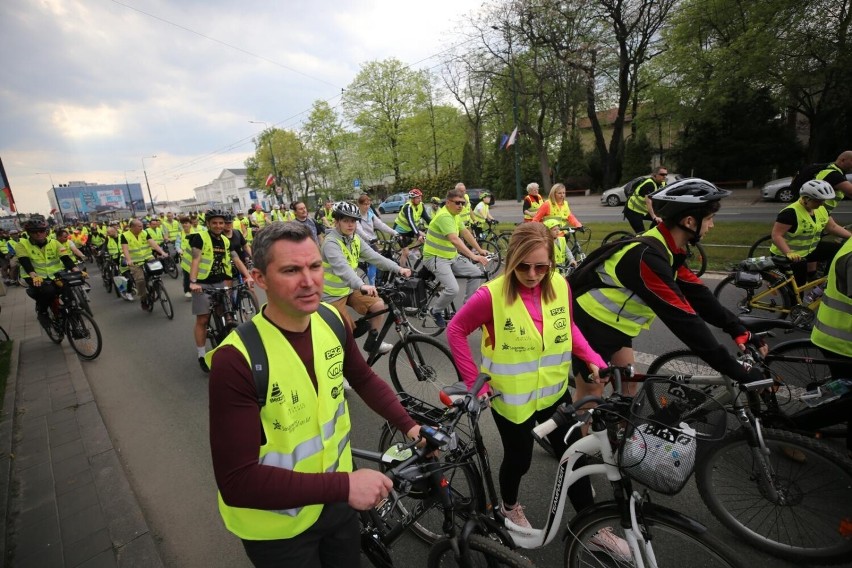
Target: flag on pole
[503, 139]
[7, 202]
[270, 180]
[512, 138]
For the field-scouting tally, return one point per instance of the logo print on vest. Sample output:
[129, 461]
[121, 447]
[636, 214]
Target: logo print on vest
[294, 396]
[561, 338]
[557, 311]
[561, 323]
[277, 395]
[509, 326]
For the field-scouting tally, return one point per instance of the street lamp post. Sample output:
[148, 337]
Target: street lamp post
[518, 190]
[129, 195]
[153, 208]
[166, 190]
[278, 197]
[55, 197]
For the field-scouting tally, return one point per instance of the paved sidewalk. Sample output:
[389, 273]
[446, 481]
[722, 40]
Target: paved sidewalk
[64, 496]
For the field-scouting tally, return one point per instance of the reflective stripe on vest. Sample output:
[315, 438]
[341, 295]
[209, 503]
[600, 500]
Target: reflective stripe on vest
[402, 218]
[559, 246]
[138, 247]
[46, 260]
[833, 326]
[808, 230]
[307, 428]
[839, 195]
[333, 284]
[437, 244]
[207, 256]
[528, 369]
[615, 305]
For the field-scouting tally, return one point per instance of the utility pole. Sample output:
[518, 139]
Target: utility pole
[278, 196]
[55, 196]
[153, 208]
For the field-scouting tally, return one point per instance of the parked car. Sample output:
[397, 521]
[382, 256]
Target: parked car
[779, 189]
[614, 197]
[393, 203]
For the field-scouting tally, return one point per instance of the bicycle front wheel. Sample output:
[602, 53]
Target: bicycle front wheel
[421, 366]
[83, 335]
[764, 301]
[760, 247]
[807, 520]
[483, 552]
[676, 542]
[493, 251]
[246, 305]
[165, 301]
[83, 300]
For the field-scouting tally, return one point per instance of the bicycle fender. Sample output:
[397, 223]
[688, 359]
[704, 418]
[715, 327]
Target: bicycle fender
[670, 515]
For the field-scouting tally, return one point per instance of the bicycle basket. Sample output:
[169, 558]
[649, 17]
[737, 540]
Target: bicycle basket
[670, 419]
[153, 268]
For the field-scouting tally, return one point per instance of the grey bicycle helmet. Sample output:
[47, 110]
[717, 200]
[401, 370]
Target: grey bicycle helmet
[35, 223]
[817, 189]
[344, 209]
[688, 197]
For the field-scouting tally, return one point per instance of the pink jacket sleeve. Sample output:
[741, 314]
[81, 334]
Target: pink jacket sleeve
[474, 314]
[579, 346]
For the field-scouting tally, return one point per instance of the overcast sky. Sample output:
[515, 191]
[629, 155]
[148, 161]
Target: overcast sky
[90, 87]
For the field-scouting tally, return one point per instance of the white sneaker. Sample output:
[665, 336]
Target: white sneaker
[128, 296]
[516, 515]
[607, 541]
[187, 294]
[385, 348]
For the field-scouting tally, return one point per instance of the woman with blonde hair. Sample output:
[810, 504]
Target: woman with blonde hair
[556, 207]
[528, 340]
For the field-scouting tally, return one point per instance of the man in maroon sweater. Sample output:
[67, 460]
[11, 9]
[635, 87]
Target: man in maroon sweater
[256, 490]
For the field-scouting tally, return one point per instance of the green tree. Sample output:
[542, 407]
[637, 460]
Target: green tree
[325, 142]
[287, 150]
[379, 99]
[637, 157]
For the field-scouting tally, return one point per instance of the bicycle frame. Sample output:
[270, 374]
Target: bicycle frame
[756, 300]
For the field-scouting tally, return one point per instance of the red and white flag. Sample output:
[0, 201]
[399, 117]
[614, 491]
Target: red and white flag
[270, 180]
[512, 137]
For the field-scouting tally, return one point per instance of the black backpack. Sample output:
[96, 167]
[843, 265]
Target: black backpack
[807, 173]
[631, 185]
[584, 277]
[259, 362]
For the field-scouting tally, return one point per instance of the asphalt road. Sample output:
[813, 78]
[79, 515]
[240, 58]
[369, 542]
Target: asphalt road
[153, 398]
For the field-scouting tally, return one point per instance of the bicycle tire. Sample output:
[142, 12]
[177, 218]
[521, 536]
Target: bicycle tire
[483, 552]
[420, 317]
[83, 300]
[503, 245]
[83, 334]
[464, 483]
[677, 540]
[106, 277]
[171, 267]
[616, 236]
[493, 250]
[3, 335]
[696, 256]
[55, 330]
[775, 305]
[246, 306]
[427, 367]
[818, 490]
[165, 301]
[798, 375]
[760, 247]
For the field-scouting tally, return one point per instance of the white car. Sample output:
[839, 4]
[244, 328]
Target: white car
[779, 189]
[615, 196]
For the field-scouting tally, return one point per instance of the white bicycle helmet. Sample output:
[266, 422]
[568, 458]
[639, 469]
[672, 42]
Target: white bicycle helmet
[817, 189]
[343, 209]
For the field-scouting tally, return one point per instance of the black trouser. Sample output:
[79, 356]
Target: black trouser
[517, 454]
[334, 541]
[43, 295]
[636, 220]
[825, 251]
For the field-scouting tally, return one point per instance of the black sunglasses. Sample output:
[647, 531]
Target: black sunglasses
[459, 203]
[537, 268]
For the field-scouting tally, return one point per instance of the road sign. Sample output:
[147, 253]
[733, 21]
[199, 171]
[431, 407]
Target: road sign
[356, 183]
[252, 194]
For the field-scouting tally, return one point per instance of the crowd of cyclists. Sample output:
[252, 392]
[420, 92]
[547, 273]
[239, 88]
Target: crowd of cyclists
[532, 318]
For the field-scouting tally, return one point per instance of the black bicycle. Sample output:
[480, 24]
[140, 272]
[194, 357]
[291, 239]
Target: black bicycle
[170, 265]
[67, 318]
[153, 271]
[225, 313]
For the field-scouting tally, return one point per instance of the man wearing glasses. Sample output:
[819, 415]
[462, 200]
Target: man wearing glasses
[639, 205]
[447, 256]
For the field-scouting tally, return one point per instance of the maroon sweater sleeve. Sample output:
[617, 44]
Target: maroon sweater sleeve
[236, 434]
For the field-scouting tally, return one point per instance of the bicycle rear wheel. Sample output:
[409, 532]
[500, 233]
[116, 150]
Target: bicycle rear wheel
[421, 366]
[420, 317]
[55, 329]
[106, 276]
[617, 236]
[797, 376]
[484, 552]
[677, 540]
[171, 267]
[83, 300]
[742, 301]
[493, 250]
[165, 301]
[83, 335]
[696, 259]
[760, 247]
[246, 305]
[807, 522]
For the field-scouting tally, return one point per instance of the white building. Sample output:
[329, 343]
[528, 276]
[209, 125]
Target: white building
[229, 191]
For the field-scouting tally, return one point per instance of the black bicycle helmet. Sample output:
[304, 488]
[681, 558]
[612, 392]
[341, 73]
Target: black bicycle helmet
[35, 223]
[344, 209]
[217, 213]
